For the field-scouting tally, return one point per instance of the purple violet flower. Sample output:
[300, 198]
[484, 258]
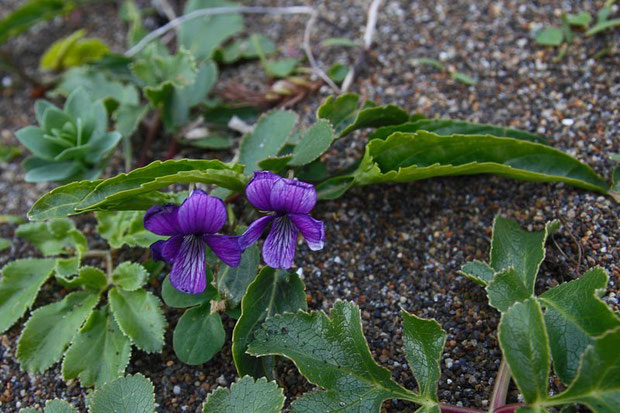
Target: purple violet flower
[291, 200]
[190, 226]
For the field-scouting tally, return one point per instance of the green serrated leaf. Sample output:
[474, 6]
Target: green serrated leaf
[134, 394]
[574, 316]
[423, 342]
[19, 286]
[57, 236]
[125, 228]
[232, 282]
[51, 328]
[89, 277]
[597, 384]
[129, 276]
[66, 268]
[445, 127]
[59, 406]
[272, 292]
[507, 288]
[313, 144]
[139, 316]
[550, 36]
[512, 246]
[99, 353]
[199, 335]
[176, 299]
[98, 85]
[246, 396]
[71, 51]
[331, 353]
[408, 157]
[525, 345]
[478, 271]
[268, 137]
[203, 35]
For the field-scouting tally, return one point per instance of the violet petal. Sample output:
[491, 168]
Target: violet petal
[258, 191]
[201, 214]
[289, 195]
[162, 219]
[156, 250]
[225, 247]
[312, 230]
[279, 247]
[254, 231]
[170, 248]
[188, 273]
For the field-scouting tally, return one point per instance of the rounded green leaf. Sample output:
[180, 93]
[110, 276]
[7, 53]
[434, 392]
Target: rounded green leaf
[313, 144]
[176, 299]
[134, 394]
[129, 276]
[199, 335]
[246, 396]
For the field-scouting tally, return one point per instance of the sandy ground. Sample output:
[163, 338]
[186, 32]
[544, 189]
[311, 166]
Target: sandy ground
[392, 245]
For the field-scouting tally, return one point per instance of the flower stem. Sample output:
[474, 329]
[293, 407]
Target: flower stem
[448, 408]
[500, 389]
[509, 408]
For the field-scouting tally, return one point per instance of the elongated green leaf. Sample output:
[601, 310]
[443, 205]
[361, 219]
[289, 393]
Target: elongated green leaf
[507, 288]
[134, 394]
[445, 127]
[334, 187]
[129, 276]
[203, 35]
[515, 247]
[313, 143]
[99, 353]
[423, 341]
[525, 345]
[199, 335]
[4, 244]
[275, 163]
[51, 328]
[139, 316]
[54, 237]
[373, 117]
[581, 19]
[61, 201]
[232, 282]
[268, 137]
[176, 299]
[340, 112]
[272, 292]
[331, 353]
[408, 157]
[119, 191]
[597, 383]
[19, 286]
[58, 406]
[246, 396]
[31, 13]
[574, 316]
[478, 271]
[125, 228]
[602, 26]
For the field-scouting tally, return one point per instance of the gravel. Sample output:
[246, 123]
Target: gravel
[390, 246]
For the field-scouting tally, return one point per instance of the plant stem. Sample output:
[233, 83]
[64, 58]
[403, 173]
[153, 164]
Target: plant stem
[500, 389]
[150, 137]
[448, 408]
[104, 254]
[509, 408]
